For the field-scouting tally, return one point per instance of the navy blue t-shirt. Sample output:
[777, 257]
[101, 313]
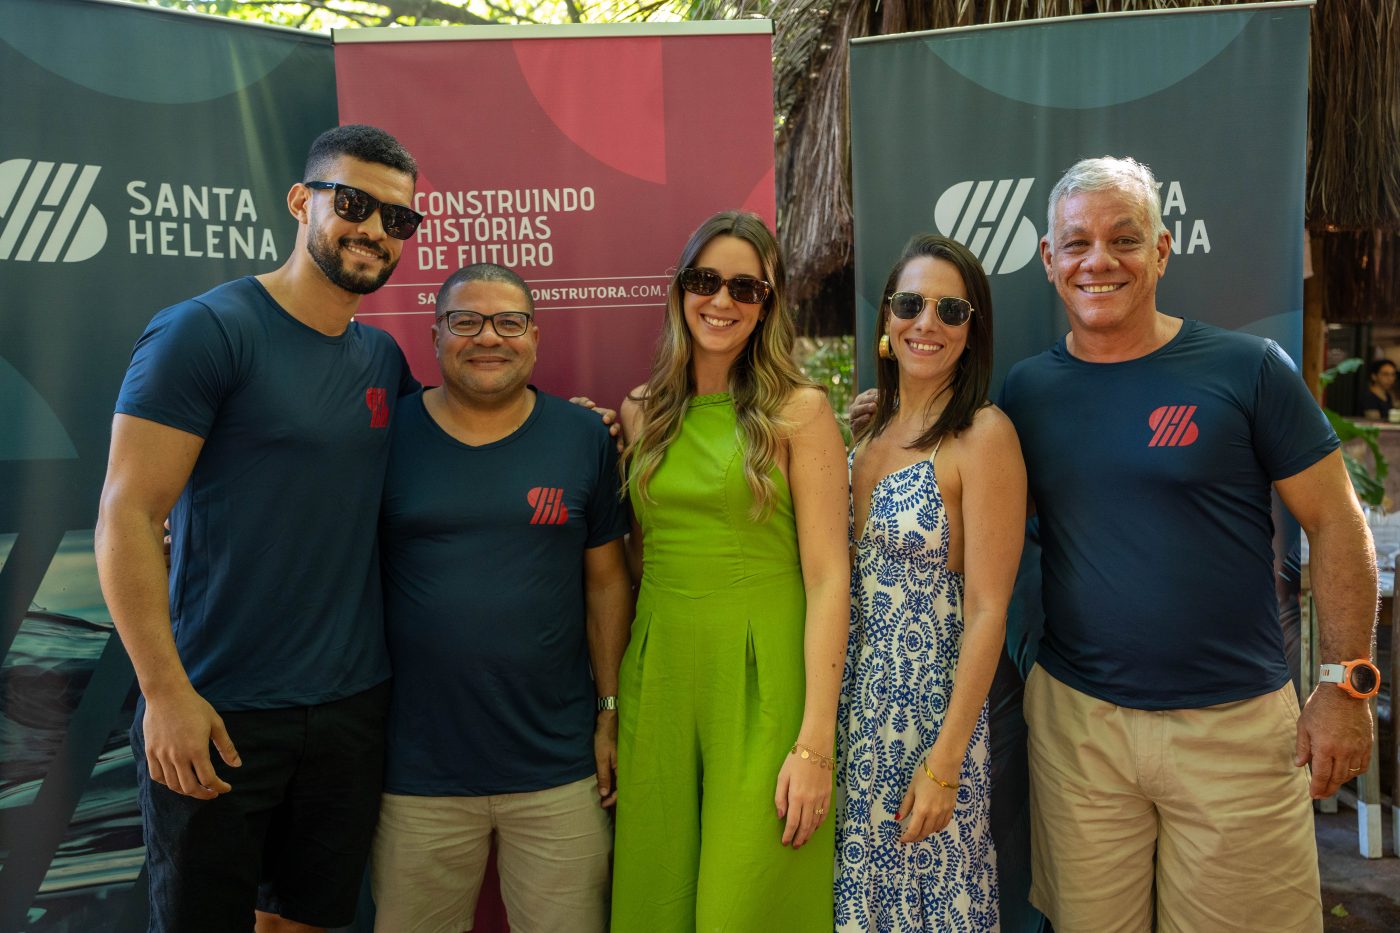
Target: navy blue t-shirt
[275, 592]
[484, 600]
[1152, 481]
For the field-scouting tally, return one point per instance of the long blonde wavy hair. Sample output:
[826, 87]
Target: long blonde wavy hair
[760, 380]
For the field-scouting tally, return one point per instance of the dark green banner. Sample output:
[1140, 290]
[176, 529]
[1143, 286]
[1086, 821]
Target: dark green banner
[963, 132]
[145, 157]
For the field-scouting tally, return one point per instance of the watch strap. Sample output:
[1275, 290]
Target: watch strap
[1332, 674]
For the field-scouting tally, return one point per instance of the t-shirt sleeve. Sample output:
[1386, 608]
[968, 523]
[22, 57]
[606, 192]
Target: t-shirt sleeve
[1010, 395]
[407, 384]
[1003, 396]
[181, 369]
[1290, 431]
[607, 519]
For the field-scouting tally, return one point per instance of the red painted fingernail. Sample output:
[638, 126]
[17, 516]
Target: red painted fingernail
[899, 816]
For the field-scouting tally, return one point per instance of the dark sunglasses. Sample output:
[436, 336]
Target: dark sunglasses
[742, 288]
[355, 205]
[955, 312]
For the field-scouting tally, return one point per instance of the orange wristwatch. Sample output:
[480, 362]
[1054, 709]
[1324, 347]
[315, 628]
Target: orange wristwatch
[1358, 678]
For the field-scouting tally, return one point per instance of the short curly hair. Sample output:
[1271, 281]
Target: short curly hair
[359, 141]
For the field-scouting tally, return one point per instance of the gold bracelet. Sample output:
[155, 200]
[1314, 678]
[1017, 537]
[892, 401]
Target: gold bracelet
[951, 785]
[816, 758]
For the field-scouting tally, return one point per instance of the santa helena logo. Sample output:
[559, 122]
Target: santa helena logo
[45, 216]
[986, 216]
[1172, 426]
[377, 401]
[549, 505]
[44, 212]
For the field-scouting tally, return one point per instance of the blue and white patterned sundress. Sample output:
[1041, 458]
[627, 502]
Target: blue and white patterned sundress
[906, 632]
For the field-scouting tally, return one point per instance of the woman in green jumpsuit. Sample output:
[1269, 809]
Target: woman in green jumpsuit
[727, 695]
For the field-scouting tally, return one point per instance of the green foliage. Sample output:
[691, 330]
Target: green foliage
[1349, 365]
[1369, 484]
[830, 363]
[343, 14]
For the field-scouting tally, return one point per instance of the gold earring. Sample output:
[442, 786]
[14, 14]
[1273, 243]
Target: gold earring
[884, 348]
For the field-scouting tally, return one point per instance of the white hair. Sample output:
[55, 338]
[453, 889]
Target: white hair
[1126, 175]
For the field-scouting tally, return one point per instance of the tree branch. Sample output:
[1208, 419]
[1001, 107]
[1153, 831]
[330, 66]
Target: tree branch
[435, 9]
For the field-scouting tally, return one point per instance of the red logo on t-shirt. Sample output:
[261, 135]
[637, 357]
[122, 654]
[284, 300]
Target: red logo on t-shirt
[378, 402]
[1172, 426]
[549, 506]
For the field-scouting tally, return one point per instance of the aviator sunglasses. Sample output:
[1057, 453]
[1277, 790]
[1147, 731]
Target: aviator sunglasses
[742, 288]
[955, 312]
[355, 205]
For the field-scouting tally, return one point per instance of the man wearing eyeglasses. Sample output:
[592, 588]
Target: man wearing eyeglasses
[505, 582]
[257, 418]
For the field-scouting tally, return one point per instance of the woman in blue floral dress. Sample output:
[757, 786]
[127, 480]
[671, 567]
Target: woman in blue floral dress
[938, 497]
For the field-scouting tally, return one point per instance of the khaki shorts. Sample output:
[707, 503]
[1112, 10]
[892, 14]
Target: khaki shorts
[1202, 808]
[552, 848]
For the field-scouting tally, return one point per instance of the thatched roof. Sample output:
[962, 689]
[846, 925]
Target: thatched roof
[1354, 170]
[1361, 277]
[1354, 166]
[813, 154]
[1354, 116]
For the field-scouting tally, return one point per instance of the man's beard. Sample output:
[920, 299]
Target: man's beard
[327, 256]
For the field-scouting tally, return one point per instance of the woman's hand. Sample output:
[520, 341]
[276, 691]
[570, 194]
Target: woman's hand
[607, 414]
[927, 806]
[803, 796]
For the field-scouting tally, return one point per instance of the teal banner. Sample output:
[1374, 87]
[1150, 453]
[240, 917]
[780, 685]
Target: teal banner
[963, 132]
[145, 157]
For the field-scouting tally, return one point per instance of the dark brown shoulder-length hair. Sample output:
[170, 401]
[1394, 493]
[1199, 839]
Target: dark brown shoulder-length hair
[973, 375]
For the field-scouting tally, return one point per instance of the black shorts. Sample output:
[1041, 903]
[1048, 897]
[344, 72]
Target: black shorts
[293, 835]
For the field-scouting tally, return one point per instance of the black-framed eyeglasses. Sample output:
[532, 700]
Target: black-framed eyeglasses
[955, 312]
[504, 323]
[355, 205]
[742, 288]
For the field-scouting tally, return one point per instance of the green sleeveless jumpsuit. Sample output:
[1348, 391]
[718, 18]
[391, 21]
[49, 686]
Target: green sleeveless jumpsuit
[710, 702]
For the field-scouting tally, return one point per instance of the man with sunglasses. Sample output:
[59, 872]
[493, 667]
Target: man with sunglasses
[505, 582]
[257, 417]
[1165, 739]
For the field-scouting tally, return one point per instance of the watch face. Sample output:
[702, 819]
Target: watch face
[1363, 678]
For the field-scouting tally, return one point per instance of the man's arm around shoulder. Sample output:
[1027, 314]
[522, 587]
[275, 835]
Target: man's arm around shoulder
[148, 466]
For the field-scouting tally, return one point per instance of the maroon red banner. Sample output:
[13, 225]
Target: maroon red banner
[580, 156]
